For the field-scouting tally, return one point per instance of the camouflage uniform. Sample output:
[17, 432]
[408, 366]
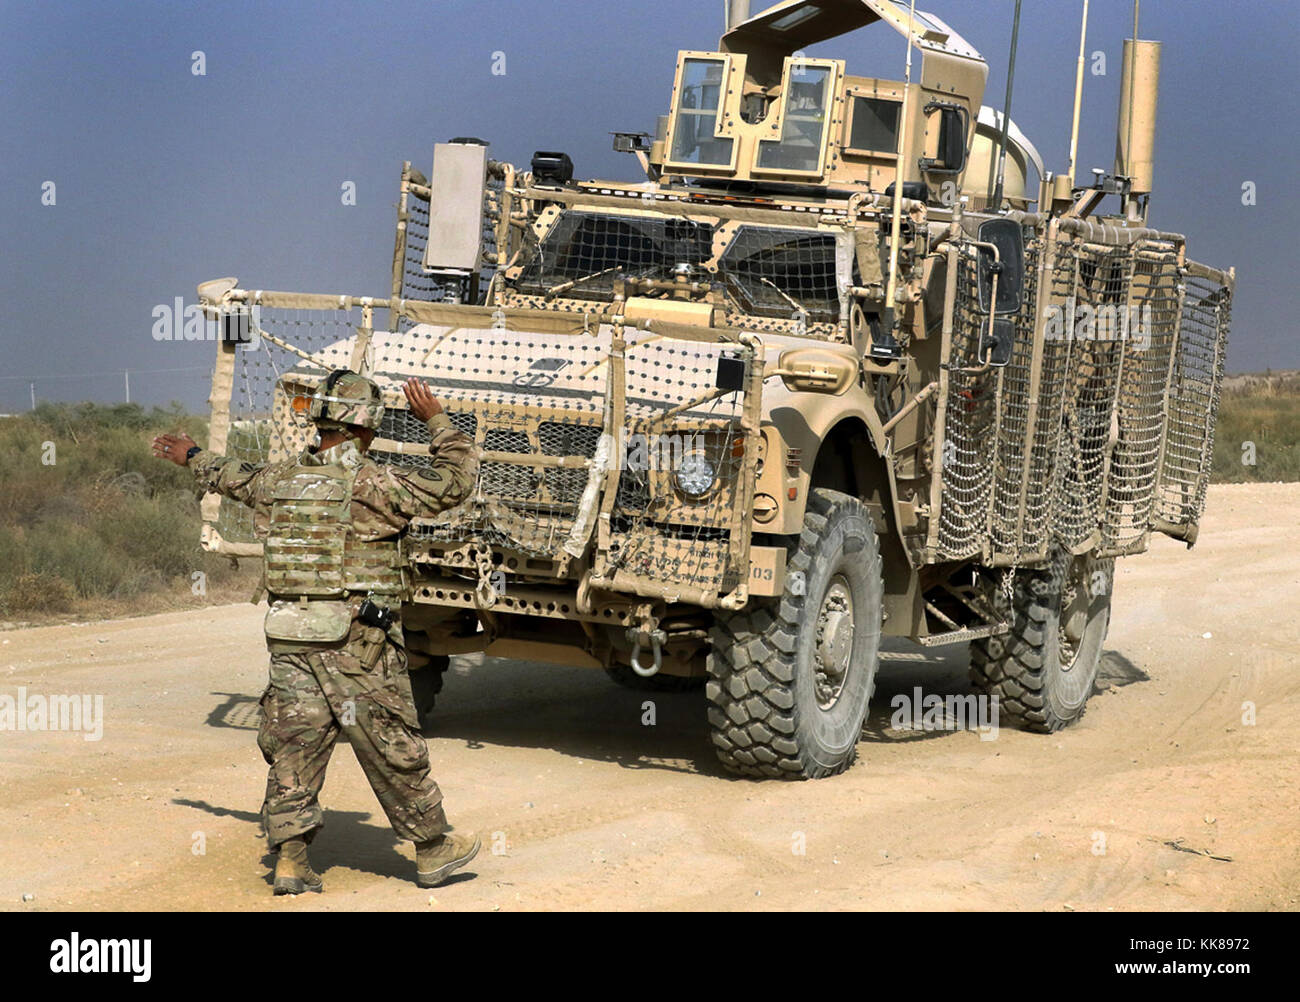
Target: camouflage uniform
[321, 687]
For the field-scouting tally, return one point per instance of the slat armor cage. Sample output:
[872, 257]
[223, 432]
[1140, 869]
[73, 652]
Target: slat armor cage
[1100, 428]
[583, 423]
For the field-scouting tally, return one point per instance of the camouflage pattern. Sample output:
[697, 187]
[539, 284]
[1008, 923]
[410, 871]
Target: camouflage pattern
[314, 697]
[311, 550]
[322, 688]
[384, 497]
[347, 398]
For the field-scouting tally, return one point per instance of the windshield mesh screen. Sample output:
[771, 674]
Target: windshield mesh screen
[775, 272]
[585, 252]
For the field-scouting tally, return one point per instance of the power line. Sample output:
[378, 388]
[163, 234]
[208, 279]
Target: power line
[109, 372]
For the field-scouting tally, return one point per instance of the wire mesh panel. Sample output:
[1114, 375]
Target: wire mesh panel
[1147, 329]
[1194, 400]
[584, 253]
[416, 282]
[683, 463]
[290, 352]
[970, 434]
[1020, 492]
[776, 272]
[535, 405]
[1115, 436]
[1088, 282]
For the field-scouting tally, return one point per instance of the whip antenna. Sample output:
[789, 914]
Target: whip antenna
[1006, 114]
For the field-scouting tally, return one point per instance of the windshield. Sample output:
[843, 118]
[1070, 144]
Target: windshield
[765, 271]
[694, 139]
[804, 118]
[585, 252]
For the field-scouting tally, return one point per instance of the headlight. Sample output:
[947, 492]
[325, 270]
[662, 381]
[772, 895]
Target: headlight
[695, 475]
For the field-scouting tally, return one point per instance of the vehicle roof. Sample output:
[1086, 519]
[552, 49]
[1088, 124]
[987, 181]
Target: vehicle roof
[794, 24]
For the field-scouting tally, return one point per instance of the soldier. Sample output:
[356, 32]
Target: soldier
[332, 520]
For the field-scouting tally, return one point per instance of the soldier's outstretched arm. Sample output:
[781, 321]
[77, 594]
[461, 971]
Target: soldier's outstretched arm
[233, 478]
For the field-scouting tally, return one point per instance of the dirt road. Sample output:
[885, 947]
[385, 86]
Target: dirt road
[591, 808]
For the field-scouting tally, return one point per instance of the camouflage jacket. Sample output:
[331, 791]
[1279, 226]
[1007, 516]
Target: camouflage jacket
[384, 498]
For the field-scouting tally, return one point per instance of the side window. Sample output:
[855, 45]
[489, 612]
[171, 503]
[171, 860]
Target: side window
[695, 119]
[873, 125]
[805, 117]
[952, 125]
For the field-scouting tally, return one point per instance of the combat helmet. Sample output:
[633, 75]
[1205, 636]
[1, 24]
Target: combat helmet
[346, 398]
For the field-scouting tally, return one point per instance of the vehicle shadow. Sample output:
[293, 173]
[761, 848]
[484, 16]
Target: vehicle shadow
[904, 668]
[238, 710]
[579, 712]
[575, 711]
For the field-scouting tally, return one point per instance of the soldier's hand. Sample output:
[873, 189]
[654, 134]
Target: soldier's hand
[423, 403]
[174, 448]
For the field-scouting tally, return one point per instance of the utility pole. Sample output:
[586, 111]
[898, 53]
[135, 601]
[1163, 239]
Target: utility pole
[127, 373]
[33, 388]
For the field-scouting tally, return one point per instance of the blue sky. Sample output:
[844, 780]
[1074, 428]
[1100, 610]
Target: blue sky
[165, 178]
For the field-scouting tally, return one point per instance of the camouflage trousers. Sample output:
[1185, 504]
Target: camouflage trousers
[313, 697]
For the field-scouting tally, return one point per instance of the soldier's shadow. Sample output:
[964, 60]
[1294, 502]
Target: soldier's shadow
[243, 712]
[349, 839]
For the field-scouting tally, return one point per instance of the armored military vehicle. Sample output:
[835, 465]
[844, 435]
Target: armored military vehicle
[845, 362]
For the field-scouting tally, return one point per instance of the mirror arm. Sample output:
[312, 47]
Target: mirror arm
[996, 270]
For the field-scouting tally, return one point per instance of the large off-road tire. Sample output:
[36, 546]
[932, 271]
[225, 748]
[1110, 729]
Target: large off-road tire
[426, 683]
[624, 675]
[790, 678]
[1044, 669]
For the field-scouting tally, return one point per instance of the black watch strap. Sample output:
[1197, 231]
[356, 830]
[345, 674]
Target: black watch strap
[194, 451]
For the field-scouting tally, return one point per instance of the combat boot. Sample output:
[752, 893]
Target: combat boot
[439, 858]
[293, 873]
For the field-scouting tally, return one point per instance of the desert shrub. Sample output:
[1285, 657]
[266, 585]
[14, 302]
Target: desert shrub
[1265, 412]
[104, 519]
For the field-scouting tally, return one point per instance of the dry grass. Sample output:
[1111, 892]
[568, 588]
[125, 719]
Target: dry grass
[1263, 410]
[89, 520]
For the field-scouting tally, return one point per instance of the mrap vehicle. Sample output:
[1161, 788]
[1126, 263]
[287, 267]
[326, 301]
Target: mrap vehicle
[845, 362]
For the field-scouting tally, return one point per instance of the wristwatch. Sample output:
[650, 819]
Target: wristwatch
[193, 451]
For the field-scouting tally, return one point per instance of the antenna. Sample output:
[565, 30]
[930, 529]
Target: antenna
[1078, 96]
[1006, 114]
[734, 12]
[903, 140]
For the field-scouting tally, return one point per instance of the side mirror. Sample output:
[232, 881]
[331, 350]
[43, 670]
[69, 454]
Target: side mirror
[1008, 237]
[997, 342]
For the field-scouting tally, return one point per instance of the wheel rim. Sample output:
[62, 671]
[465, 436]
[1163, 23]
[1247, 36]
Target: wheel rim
[834, 642]
[1075, 608]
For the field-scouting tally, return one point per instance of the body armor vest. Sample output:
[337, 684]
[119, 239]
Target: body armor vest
[311, 549]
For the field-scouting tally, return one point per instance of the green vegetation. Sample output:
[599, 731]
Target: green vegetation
[1264, 410]
[88, 516]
